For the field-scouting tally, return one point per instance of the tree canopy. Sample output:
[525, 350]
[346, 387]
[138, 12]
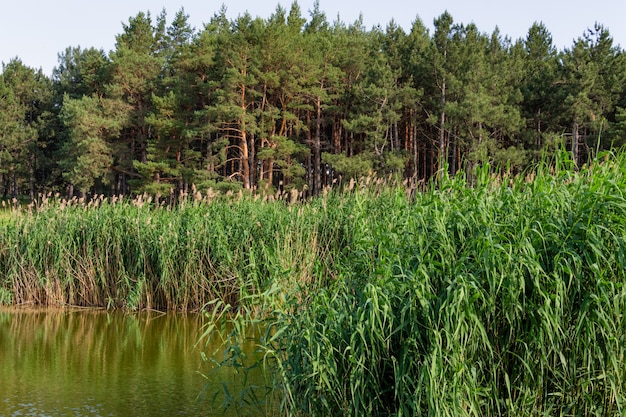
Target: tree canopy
[301, 102]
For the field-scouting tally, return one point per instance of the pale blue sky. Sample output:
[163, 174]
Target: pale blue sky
[37, 30]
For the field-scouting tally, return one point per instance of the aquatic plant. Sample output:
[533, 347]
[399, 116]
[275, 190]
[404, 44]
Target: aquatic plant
[504, 298]
[141, 254]
[482, 295]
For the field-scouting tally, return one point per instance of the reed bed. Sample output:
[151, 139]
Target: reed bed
[140, 254]
[506, 298]
[483, 295]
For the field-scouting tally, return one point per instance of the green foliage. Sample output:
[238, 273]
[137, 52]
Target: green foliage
[141, 254]
[618, 130]
[81, 72]
[475, 305]
[503, 298]
[92, 123]
[352, 167]
[292, 102]
[506, 298]
[24, 111]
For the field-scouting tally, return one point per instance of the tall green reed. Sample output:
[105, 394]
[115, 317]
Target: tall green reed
[140, 254]
[505, 298]
[495, 296]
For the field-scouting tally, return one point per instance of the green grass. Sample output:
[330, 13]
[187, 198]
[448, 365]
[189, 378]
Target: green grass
[6, 216]
[507, 298]
[138, 254]
[485, 295]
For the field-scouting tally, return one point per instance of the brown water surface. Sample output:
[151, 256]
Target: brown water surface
[99, 363]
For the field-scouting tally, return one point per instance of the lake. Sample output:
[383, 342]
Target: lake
[99, 363]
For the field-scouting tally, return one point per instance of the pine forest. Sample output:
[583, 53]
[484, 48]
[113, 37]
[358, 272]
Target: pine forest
[301, 103]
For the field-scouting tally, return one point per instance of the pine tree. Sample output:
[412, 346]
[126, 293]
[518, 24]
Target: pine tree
[442, 77]
[593, 73]
[25, 108]
[321, 82]
[172, 161]
[280, 150]
[376, 108]
[80, 72]
[93, 123]
[136, 66]
[416, 67]
[540, 88]
[231, 113]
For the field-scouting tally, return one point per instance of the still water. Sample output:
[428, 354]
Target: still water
[98, 363]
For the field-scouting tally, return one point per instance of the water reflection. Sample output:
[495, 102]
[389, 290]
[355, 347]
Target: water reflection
[98, 363]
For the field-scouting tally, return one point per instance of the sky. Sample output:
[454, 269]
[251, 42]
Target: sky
[36, 31]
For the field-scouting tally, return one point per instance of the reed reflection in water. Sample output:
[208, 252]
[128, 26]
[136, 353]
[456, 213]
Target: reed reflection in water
[68, 362]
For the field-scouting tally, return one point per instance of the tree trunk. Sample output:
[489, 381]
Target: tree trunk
[317, 145]
[244, 165]
[337, 133]
[539, 129]
[453, 151]
[442, 136]
[252, 162]
[31, 176]
[270, 172]
[575, 142]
